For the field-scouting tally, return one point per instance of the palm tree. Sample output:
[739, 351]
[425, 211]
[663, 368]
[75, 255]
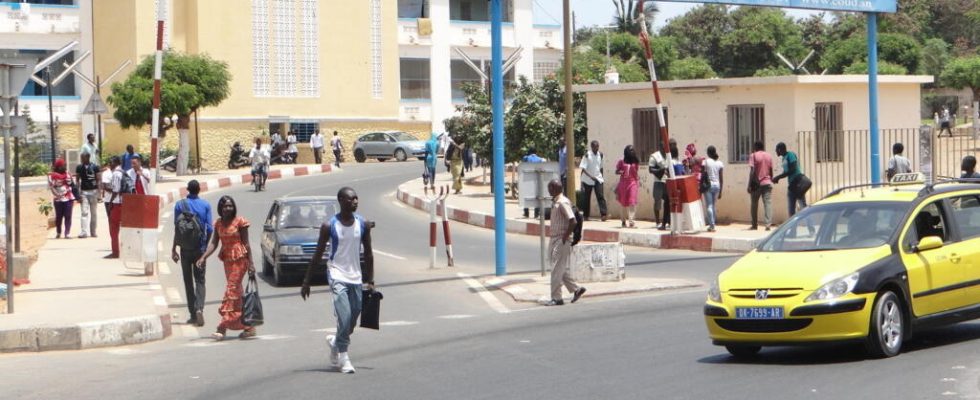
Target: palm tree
[627, 18]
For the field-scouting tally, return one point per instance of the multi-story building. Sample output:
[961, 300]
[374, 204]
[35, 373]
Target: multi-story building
[38, 28]
[300, 65]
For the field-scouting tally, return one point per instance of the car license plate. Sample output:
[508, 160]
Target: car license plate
[758, 312]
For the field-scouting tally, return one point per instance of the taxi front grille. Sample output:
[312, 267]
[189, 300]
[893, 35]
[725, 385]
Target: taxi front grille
[763, 325]
[778, 293]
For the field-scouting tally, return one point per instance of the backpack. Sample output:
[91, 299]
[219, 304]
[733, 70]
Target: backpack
[579, 222]
[126, 184]
[189, 230]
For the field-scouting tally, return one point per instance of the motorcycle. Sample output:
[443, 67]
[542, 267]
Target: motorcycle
[237, 158]
[281, 155]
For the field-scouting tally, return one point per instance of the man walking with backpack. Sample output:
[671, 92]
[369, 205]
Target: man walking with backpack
[192, 232]
[563, 225]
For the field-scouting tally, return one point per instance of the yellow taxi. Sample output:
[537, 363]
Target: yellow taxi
[868, 263]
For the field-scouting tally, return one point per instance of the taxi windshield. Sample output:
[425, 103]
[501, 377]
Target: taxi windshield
[838, 226]
[306, 215]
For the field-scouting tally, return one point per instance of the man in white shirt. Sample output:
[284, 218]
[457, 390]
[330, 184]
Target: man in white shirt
[139, 176]
[260, 162]
[89, 147]
[337, 147]
[316, 143]
[592, 180]
[114, 204]
[292, 150]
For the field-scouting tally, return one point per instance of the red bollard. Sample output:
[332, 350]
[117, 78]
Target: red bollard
[445, 233]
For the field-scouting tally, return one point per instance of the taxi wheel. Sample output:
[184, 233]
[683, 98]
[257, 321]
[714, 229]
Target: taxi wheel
[887, 326]
[743, 351]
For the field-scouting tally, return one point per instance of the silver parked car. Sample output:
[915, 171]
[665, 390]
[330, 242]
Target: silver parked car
[389, 144]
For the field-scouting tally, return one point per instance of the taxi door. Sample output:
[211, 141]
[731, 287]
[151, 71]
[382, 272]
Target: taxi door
[935, 274]
[965, 211]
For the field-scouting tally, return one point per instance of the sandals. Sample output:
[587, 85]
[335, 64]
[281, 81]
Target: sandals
[247, 334]
[218, 336]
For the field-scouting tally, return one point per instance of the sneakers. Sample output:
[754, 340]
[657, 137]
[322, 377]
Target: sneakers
[345, 365]
[555, 303]
[334, 357]
[578, 294]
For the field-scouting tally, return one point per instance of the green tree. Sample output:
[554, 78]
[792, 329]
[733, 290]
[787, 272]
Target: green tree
[780, 70]
[895, 48]
[701, 32]
[692, 68]
[884, 68]
[589, 66]
[629, 49]
[627, 18]
[935, 55]
[963, 72]
[189, 82]
[759, 33]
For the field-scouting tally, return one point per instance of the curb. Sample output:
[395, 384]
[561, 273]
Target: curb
[520, 294]
[634, 238]
[132, 330]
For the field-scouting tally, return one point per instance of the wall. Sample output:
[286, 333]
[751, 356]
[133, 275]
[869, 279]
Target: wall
[700, 117]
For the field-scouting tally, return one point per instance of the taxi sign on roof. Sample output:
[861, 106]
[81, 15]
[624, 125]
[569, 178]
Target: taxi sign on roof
[909, 178]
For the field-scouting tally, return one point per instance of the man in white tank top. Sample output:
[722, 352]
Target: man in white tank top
[346, 233]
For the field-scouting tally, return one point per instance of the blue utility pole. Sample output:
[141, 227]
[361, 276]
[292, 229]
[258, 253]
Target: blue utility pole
[873, 97]
[497, 94]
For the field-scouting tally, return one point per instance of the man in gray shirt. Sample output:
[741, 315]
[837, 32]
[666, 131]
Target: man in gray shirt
[898, 164]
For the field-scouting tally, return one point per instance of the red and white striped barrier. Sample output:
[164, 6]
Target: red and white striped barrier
[138, 231]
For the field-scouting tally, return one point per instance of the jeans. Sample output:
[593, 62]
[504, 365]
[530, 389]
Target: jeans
[62, 215]
[793, 201]
[710, 199]
[347, 309]
[90, 212]
[336, 158]
[659, 197]
[765, 192]
[600, 199]
[192, 276]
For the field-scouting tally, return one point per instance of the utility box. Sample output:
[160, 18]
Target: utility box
[598, 262]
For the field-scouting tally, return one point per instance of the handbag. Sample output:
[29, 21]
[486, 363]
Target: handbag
[251, 304]
[371, 309]
[74, 191]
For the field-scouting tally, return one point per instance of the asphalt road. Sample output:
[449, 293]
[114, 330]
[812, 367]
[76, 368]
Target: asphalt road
[441, 340]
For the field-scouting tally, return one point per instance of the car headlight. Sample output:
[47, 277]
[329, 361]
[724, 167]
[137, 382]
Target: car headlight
[714, 292]
[835, 288]
[291, 250]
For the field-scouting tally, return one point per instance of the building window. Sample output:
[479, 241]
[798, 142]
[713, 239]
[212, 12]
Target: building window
[303, 130]
[746, 125]
[477, 10]
[646, 132]
[461, 74]
[415, 78]
[543, 69]
[413, 8]
[829, 136]
[285, 48]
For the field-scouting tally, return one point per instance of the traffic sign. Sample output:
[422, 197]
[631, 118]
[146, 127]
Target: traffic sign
[95, 105]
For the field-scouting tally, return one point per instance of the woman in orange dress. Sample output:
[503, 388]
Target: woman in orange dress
[232, 233]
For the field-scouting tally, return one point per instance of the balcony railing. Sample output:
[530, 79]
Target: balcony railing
[38, 18]
[477, 34]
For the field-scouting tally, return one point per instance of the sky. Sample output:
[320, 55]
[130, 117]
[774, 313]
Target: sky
[600, 12]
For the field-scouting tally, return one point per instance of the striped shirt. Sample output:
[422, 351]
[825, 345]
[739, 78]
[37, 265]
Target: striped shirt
[561, 216]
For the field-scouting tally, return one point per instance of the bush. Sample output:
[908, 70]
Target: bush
[33, 168]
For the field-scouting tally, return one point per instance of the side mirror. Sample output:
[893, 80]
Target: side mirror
[929, 243]
[267, 228]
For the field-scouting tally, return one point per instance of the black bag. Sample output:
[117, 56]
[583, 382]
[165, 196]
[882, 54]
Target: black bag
[371, 309]
[126, 184]
[251, 304]
[74, 191]
[579, 222]
[705, 184]
[190, 232]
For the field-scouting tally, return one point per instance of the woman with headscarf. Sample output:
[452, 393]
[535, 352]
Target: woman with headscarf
[231, 232]
[431, 156]
[629, 185]
[59, 183]
[693, 163]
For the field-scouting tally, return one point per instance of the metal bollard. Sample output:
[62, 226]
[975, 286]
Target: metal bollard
[445, 233]
[433, 203]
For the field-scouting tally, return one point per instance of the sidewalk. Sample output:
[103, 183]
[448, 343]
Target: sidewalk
[475, 207]
[79, 300]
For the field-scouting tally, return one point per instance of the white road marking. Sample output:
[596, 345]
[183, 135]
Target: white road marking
[205, 343]
[173, 294]
[273, 337]
[618, 298]
[124, 352]
[399, 323]
[949, 379]
[488, 297]
[400, 258]
[456, 316]
[525, 341]
[325, 330]
[948, 393]
[189, 331]
[159, 301]
[164, 268]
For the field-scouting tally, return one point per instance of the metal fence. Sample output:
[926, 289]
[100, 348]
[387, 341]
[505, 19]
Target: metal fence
[839, 158]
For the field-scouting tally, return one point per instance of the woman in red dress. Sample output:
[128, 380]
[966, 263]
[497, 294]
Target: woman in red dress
[232, 233]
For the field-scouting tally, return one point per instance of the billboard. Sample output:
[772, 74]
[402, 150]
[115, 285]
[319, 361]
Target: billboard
[878, 6]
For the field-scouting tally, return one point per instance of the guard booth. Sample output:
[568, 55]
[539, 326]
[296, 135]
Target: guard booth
[138, 233]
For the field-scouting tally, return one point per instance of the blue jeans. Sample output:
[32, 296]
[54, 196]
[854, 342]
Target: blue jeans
[347, 308]
[710, 198]
[793, 201]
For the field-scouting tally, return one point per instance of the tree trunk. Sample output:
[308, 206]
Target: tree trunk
[184, 149]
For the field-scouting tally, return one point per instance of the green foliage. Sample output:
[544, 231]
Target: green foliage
[33, 168]
[31, 149]
[758, 34]
[700, 33]
[895, 48]
[628, 57]
[588, 66]
[692, 68]
[627, 17]
[773, 71]
[189, 82]
[935, 55]
[44, 206]
[884, 68]
[535, 118]
[963, 72]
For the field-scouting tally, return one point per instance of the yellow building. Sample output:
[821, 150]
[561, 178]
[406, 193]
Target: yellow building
[298, 65]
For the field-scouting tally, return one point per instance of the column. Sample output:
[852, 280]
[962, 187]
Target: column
[439, 71]
[524, 36]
